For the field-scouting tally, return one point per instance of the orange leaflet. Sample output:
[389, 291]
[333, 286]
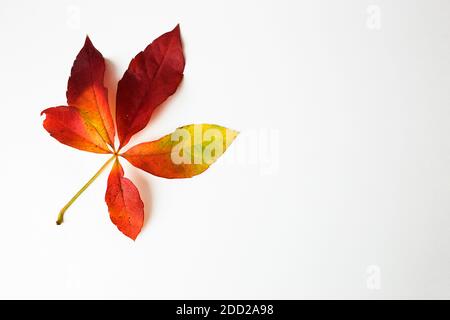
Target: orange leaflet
[126, 209]
[86, 124]
[152, 76]
[86, 92]
[185, 153]
[66, 125]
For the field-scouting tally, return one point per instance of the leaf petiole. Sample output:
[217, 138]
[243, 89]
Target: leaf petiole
[75, 197]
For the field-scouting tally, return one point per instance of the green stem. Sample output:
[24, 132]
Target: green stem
[75, 197]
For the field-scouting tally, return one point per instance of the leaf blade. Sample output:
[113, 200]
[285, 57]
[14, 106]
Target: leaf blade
[152, 76]
[87, 93]
[174, 158]
[125, 206]
[67, 125]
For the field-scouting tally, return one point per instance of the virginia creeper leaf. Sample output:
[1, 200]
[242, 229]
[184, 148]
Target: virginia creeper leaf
[152, 76]
[86, 92]
[185, 153]
[126, 208]
[66, 125]
[86, 124]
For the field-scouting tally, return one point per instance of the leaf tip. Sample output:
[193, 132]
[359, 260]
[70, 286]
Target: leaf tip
[87, 41]
[232, 134]
[44, 112]
[176, 31]
[130, 234]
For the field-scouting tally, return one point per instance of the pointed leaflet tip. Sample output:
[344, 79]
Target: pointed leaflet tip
[88, 42]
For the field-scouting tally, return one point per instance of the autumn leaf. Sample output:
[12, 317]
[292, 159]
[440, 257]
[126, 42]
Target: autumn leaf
[86, 92]
[67, 125]
[126, 208]
[88, 118]
[86, 124]
[185, 153]
[152, 76]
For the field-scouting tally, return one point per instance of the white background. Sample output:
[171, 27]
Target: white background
[352, 200]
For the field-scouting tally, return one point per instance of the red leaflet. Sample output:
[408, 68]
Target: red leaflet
[86, 92]
[86, 124]
[66, 125]
[152, 76]
[126, 209]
